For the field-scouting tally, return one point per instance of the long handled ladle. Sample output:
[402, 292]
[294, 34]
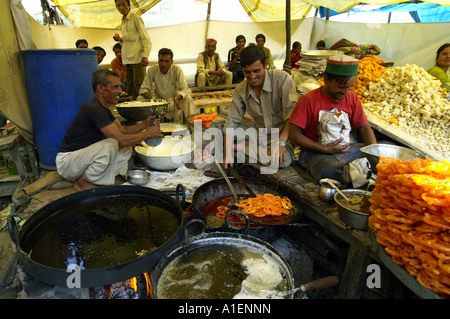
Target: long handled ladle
[236, 198]
[326, 282]
[337, 189]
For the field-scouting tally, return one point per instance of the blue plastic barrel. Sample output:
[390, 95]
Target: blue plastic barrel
[58, 82]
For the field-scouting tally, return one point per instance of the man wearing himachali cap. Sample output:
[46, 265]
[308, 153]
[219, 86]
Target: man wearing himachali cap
[324, 121]
[210, 69]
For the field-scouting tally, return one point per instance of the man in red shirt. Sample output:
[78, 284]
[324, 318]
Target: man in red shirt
[323, 119]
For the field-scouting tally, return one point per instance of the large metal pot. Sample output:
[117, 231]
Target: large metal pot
[140, 110]
[169, 155]
[106, 231]
[216, 241]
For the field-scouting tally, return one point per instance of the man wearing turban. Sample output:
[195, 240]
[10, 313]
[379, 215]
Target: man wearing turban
[210, 69]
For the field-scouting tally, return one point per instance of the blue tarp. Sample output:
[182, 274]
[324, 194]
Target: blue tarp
[420, 12]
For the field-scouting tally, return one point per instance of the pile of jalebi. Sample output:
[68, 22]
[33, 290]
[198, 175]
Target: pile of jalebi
[264, 205]
[410, 216]
[206, 118]
[224, 209]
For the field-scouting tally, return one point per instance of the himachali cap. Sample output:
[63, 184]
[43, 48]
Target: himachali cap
[343, 65]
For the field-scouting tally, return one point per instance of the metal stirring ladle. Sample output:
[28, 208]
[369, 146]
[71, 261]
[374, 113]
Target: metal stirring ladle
[236, 197]
[337, 189]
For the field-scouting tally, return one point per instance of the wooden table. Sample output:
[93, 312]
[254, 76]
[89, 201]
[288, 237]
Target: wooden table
[326, 215]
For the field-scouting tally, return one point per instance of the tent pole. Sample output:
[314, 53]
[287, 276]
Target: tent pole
[208, 16]
[287, 61]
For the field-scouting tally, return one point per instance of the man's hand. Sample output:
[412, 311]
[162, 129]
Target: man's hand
[147, 95]
[144, 61]
[335, 148]
[278, 153]
[156, 121]
[153, 132]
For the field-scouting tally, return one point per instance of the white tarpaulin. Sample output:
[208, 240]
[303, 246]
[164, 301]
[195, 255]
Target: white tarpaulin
[407, 43]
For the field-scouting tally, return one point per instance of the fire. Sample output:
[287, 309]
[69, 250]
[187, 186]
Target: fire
[132, 283]
[149, 285]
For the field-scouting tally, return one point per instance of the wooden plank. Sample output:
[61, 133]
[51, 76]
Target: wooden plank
[352, 280]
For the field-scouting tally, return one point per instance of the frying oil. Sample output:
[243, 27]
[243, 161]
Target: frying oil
[101, 233]
[216, 272]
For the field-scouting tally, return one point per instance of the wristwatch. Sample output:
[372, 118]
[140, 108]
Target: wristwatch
[281, 143]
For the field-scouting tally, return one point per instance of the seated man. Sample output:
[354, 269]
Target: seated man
[269, 96]
[85, 156]
[210, 69]
[117, 65]
[101, 53]
[260, 41]
[322, 120]
[234, 63]
[170, 84]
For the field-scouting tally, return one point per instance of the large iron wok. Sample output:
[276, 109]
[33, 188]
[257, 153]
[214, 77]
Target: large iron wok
[82, 218]
[255, 226]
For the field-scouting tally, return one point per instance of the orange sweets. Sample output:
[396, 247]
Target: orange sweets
[410, 216]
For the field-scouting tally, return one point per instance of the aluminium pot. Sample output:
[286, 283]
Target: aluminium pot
[102, 228]
[206, 243]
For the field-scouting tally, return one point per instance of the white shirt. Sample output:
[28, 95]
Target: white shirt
[166, 85]
[136, 42]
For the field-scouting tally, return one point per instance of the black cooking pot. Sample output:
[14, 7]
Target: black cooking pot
[219, 187]
[112, 233]
[206, 243]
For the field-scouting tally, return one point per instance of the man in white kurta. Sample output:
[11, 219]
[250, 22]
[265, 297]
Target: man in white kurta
[136, 47]
[166, 81]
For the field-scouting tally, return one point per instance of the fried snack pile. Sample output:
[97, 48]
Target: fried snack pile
[369, 71]
[410, 216]
[206, 118]
[264, 205]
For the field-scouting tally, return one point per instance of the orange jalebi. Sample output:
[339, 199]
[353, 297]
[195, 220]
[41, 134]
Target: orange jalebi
[410, 217]
[267, 204]
[206, 118]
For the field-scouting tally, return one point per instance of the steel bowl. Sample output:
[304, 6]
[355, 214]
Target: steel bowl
[350, 216]
[138, 177]
[169, 155]
[326, 191]
[375, 151]
[140, 110]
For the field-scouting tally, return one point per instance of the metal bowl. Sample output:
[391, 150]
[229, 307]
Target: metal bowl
[138, 177]
[375, 151]
[169, 155]
[140, 110]
[326, 191]
[349, 214]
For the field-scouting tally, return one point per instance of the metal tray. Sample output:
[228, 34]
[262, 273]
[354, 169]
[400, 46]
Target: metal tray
[399, 272]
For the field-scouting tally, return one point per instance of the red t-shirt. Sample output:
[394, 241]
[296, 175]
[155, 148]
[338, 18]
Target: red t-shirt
[306, 111]
[294, 60]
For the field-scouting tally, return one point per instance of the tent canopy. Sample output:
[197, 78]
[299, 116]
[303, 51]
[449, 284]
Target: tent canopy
[102, 13]
[420, 12]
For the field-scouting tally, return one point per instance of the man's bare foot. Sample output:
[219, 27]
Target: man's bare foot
[81, 184]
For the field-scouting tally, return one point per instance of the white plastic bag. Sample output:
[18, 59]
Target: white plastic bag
[333, 125]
